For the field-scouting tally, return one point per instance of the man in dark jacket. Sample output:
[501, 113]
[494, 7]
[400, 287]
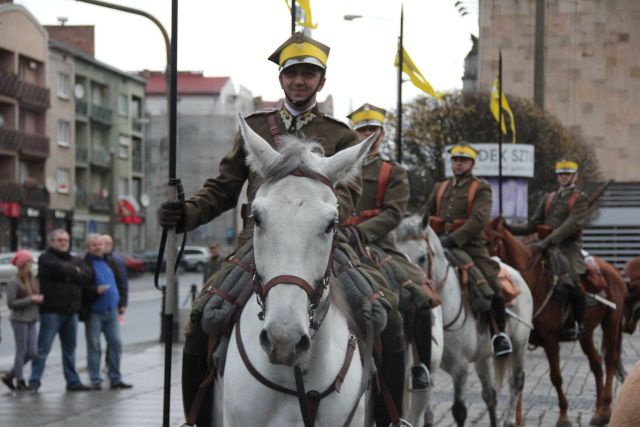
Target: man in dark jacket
[106, 301]
[63, 280]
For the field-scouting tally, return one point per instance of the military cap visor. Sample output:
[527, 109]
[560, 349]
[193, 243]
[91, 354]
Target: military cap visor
[367, 115]
[566, 166]
[465, 151]
[300, 49]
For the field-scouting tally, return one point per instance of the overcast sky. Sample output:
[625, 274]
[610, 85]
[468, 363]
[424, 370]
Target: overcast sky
[235, 37]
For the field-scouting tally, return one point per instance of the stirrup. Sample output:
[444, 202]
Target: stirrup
[419, 390]
[402, 423]
[504, 352]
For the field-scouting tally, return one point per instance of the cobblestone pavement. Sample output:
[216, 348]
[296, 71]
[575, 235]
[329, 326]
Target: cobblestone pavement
[142, 405]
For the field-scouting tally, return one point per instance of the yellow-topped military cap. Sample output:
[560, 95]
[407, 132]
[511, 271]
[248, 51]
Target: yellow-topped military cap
[300, 49]
[367, 115]
[463, 149]
[566, 166]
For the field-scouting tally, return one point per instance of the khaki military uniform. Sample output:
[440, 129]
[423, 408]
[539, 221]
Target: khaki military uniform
[469, 237]
[566, 225]
[376, 229]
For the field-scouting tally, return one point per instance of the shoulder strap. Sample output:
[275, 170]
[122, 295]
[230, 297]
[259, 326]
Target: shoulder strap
[471, 195]
[383, 180]
[274, 129]
[440, 194]
[573, 198]
[550, 198]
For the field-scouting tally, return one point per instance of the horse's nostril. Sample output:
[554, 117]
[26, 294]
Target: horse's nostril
[265, 342]
[304, 344]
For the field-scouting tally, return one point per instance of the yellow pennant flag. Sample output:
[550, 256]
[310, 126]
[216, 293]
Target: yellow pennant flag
[305, 5]
[410, 69]
[495, 110]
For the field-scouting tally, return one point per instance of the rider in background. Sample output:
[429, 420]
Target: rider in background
[559, 219]
[385, 195]
[460, 223]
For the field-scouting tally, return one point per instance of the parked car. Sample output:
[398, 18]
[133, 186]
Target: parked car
[195, 258]
[133, 264]
[8, 270]
[149, 259]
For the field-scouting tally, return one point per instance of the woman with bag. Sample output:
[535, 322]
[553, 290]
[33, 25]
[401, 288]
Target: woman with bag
[23, 298]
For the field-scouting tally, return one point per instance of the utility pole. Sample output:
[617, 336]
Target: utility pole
[399, 107]
[538, 65]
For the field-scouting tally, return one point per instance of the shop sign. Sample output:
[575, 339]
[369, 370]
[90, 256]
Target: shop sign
[517, 160]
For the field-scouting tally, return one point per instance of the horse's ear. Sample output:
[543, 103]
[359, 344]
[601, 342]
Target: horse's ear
[260, 154]
[346, 164]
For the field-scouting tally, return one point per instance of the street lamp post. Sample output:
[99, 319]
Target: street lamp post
[351, 17]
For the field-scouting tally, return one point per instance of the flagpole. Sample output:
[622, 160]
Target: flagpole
[293, 16]
[500, 132]
[400, 64]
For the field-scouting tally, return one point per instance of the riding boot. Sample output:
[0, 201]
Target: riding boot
[420, 372]
[501, 343]
[578, 305]
[392, 373]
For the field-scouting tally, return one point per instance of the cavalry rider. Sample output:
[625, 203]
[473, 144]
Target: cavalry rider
[302, 64]
[559, 219]
[459, 217]
[385, 195]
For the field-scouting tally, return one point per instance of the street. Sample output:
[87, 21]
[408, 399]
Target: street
[143, 365]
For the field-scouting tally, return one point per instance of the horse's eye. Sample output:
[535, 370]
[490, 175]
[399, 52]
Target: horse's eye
[422, 259]
[331, 226]
[256, 218]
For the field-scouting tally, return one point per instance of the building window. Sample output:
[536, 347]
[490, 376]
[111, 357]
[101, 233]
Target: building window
[64, 133]
[123, 147]
[64, 86]
[63, 179]
[123, 105]
[123, 186]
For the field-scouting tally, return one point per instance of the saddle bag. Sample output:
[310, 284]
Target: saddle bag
[480, 293]
[543, 231]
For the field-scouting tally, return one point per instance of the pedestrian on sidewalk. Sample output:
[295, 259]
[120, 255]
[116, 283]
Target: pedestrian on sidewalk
[102, 308]
[63, 280]
[23, 299]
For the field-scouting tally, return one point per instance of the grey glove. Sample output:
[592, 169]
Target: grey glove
[378, 317]
[540, 246]
[404, 299]
[220, 355]
[447, 242]
[171, 213]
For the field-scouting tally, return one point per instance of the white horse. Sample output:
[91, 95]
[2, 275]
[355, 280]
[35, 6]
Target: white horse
[419, 401]
[465, 341]
[277, 337]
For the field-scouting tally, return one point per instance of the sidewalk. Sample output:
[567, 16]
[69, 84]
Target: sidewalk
[142, 365]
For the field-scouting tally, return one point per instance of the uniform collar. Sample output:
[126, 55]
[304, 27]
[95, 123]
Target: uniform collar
[294, 122]
[459, 181]
[567, 189]
[371, 158]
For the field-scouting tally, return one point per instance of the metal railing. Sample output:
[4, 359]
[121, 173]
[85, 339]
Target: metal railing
[82, 108]
[82, 153]
[9, 139]
[29, 94]
[102, 114]
[100, 156]
[28, 194]
[81, 198]
[34, 145]
[136, 164]
[99, 204]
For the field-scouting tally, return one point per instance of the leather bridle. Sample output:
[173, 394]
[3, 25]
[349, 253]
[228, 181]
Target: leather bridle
[317, 309]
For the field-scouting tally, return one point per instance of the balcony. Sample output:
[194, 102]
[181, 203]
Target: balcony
[9, 139]
[30, 195]
[29, 94]
[100, 157]
[98, 204]
[81, 199]
[82, 107]
[136, 164]
[33, 145]
[102, 114]
[82, 153]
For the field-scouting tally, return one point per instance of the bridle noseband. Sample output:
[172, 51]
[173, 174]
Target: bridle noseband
[317, 311]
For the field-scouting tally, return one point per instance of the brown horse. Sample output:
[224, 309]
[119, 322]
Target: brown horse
[632, 302]
[548, 320]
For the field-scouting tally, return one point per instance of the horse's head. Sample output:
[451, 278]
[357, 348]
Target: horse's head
[295, 212]
[409, 238]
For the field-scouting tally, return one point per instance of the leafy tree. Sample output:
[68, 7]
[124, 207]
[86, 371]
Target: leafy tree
[428, 126]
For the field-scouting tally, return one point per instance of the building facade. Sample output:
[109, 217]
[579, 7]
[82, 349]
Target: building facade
[24, 145]
[580, 60]
[208, 109]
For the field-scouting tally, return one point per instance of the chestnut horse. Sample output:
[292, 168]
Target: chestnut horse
[548, 320]
[632, 303]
